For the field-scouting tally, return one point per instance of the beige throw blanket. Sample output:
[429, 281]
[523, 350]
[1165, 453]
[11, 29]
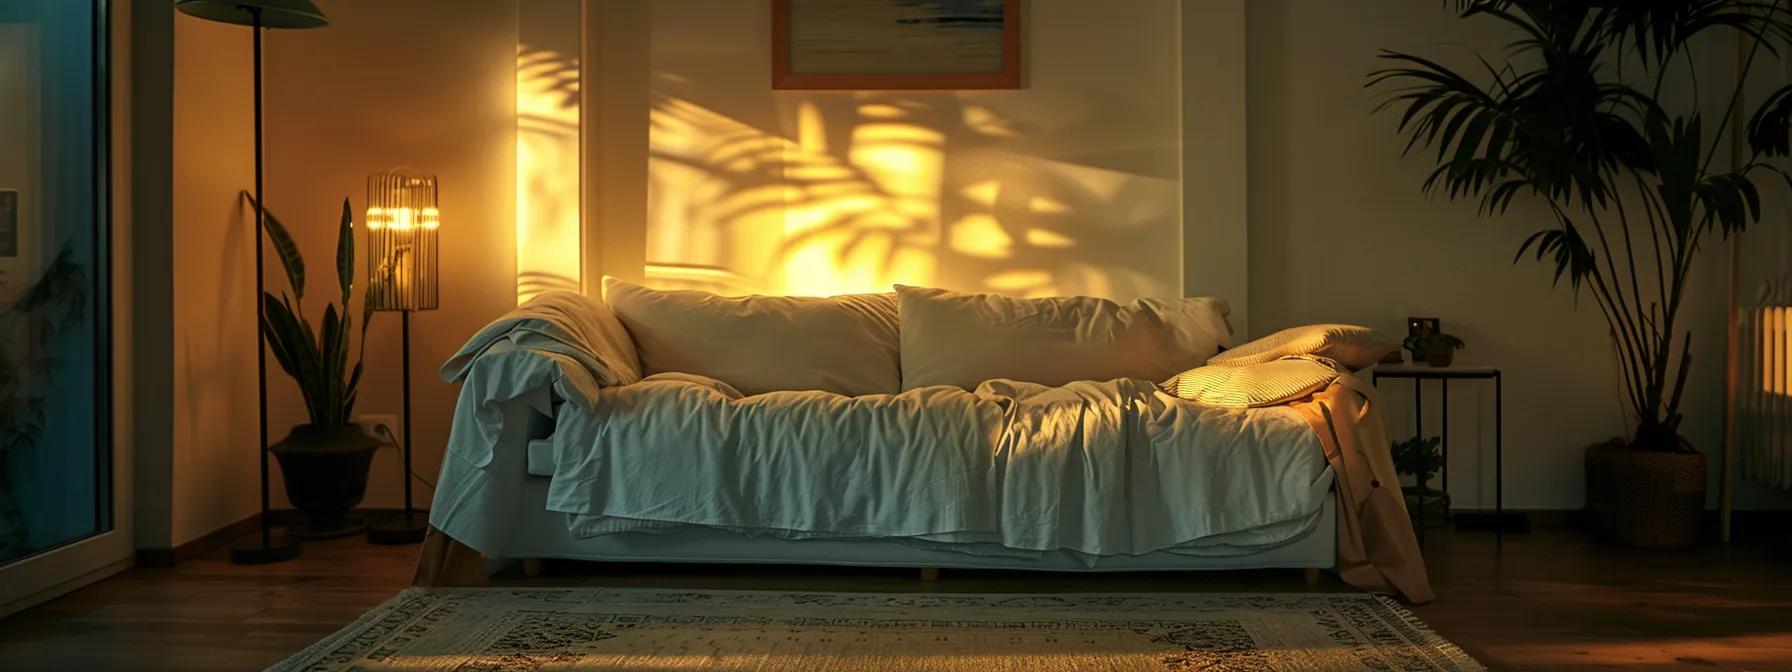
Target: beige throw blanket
[577, 333]
[1376, 546]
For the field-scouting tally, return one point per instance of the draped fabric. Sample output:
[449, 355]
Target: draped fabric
[1377, 549]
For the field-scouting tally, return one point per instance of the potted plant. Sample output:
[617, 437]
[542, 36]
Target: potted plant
[1436, 349]
[323, 462]
[49, 306]
[1420, 459]
[1629, 171]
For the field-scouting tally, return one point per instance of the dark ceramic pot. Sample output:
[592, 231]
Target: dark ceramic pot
[325, 471]
[1440, 357]
[1645, 499]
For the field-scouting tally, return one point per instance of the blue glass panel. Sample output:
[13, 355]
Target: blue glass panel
[55, 479]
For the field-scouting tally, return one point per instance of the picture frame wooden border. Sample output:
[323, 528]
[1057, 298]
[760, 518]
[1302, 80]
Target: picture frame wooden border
[1008, 78]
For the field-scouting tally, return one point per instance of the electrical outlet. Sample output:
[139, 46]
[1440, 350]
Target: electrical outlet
[382, 426]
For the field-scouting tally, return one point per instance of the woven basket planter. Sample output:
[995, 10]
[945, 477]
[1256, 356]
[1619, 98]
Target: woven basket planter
[1645, 499]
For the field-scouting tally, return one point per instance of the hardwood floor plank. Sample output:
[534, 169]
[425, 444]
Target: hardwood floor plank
[1550, 599]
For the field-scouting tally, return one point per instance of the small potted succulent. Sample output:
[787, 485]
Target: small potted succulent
[1435, 348]
[1421, 459]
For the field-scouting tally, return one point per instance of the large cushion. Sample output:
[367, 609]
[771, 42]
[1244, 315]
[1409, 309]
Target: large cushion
[1353, 346]
[949, 338]
[757, 344]
[1252, 385]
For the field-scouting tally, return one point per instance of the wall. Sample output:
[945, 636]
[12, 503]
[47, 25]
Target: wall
[1215, 114]
[1071, 185]
[214, 429]
[548, 147]
[1340, 232]
[411, 84]
[191, 319]
[145, 259]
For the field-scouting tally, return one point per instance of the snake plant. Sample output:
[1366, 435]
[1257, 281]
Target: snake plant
[315, 359]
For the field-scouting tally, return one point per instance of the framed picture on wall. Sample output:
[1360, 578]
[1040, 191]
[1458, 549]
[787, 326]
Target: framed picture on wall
[896, 44]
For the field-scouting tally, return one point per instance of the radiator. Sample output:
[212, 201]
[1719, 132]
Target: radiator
[1764, 434]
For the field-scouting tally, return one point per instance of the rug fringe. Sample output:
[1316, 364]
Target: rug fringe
[1448, 648]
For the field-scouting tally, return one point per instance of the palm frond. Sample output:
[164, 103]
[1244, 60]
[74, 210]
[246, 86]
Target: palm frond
[1569, 119]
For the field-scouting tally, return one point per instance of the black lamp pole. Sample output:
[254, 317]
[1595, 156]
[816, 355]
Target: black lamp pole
[258, 15]
[268, 548]
[409, 527]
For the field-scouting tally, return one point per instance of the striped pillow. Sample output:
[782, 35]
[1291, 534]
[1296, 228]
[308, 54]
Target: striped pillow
[1253, 385]
[1353, 346]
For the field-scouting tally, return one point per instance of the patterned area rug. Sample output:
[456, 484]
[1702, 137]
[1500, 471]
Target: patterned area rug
[623, 629]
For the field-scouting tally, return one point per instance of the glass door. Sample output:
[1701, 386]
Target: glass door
[56, 449]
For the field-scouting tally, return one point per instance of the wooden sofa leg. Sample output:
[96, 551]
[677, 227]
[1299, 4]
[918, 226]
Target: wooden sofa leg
[532, 567]
[930, 574]
[1310, 575]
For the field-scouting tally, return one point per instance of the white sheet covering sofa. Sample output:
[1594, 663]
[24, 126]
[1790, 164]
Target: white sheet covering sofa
[920, 428]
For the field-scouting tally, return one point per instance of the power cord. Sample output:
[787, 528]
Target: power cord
[384, 434]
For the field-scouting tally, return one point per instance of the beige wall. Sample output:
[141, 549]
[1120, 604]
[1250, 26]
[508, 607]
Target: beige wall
[214, 429]
[418, 84]
[1071, 185]
[1215, 221]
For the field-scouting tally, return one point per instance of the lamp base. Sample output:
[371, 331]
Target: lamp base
[279, 547]
[402, 528]
[1510, 521]
[321, 527]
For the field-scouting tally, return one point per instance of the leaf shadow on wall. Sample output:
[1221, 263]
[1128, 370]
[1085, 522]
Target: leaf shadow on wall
[854, 191]
[547, 169]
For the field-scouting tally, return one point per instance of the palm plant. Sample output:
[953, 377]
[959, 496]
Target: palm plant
[316, 360]
[1590, 114]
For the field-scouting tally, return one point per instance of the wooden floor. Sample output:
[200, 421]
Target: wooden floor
[1545, 600]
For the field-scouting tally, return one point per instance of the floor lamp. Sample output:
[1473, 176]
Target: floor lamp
[258, 14]
[402, 222]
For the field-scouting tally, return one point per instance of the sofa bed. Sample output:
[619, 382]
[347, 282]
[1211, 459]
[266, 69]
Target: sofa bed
[916, 428]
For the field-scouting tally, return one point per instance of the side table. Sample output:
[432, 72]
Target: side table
[1499, 522]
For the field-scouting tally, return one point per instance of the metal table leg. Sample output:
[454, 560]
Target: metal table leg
[1443, 447]
[1499, 457]
[1418, 431]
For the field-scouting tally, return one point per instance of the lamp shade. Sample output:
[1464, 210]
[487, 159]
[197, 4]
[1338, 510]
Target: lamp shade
[274, 13]
[402, 222]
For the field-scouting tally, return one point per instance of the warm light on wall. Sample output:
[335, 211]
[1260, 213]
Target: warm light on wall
[853, 193]
[549, 251]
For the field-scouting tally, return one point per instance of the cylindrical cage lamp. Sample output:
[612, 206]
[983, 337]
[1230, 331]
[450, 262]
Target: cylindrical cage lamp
[402, 219]
[402, 222]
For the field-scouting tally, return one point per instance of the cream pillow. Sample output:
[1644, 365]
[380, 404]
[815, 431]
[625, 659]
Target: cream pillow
[842, 344]
[1353, 346]
[949, 338]
[1252, 385]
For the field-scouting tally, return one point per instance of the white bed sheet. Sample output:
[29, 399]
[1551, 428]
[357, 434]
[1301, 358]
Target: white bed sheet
[1091, 469]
